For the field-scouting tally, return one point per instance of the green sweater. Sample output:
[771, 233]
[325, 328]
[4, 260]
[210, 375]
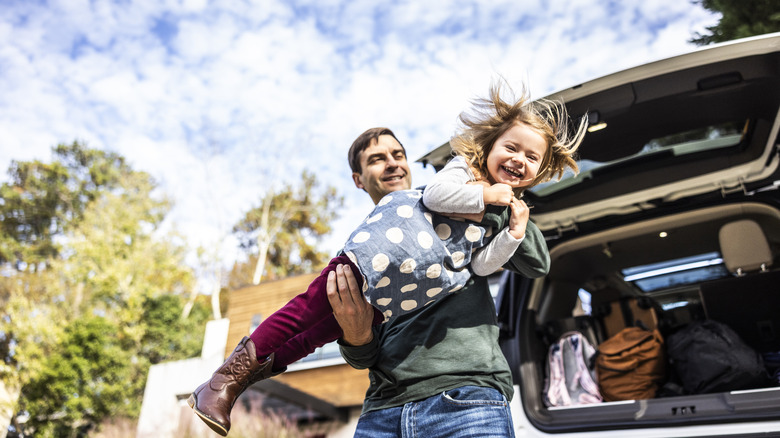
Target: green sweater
[450, 343]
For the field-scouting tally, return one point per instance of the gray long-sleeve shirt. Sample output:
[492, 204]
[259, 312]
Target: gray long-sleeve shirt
[449, 193]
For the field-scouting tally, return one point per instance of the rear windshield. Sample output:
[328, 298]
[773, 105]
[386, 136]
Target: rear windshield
[707, 138]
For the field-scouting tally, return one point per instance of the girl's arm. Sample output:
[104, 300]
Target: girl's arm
[495, 254]
[448, 192]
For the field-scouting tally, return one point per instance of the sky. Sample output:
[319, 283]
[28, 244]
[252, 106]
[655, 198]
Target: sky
[221, 101]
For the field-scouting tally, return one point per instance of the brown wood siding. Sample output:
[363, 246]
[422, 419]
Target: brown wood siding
[263, 299]
[340, 385]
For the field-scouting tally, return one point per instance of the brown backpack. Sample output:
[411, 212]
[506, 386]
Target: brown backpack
[631, 365]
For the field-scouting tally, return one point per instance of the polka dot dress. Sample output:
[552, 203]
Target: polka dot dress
[409, 256]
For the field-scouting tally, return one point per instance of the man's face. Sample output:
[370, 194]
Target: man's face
[383, 168]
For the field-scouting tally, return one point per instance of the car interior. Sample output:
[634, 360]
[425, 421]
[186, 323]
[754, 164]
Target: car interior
[717, 263]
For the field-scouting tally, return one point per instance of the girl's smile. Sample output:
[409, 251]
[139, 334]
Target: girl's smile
[516, 156]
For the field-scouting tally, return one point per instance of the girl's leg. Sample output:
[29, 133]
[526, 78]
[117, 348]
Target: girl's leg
[300, 315]
[326, 331]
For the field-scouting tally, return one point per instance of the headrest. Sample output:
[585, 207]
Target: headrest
[744, 246]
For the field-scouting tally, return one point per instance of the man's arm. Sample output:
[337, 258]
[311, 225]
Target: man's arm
[358, 345]
[532, 259]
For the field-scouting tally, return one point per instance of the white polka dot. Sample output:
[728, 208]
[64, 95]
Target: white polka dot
[361, 237]
[365, 285]
[449, 273]
[443, 231]
[407, 267]
[473, 233]
[433, 271]
[384, 301]
[414, 194]
[385, 281]
[433, 292]
[456, 288]
[424, 239]
[395, 235]
[409, 287]
[428, 217]
[489, 232]
[388, 313]
[380, 262]
[374, 218]
[384, 201]
[458, 257]
[408, 304]
[429, 302]
[405, 211]
[351, 256]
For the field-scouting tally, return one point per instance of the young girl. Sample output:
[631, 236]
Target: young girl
[415, 247]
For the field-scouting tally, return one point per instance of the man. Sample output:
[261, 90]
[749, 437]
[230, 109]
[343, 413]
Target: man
[438, 372]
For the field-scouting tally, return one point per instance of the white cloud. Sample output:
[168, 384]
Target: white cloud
[221, 101]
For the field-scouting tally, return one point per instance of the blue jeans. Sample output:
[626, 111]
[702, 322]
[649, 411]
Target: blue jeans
[467, 412]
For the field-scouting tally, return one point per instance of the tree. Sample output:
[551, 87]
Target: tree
[739, 19]
[282, 232]
[84, 380]
[42, 199]
[105, 300]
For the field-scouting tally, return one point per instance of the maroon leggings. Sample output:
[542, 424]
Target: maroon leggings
[304, 323]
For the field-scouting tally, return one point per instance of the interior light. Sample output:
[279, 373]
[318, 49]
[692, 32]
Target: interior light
[597, 127]
[663, 234]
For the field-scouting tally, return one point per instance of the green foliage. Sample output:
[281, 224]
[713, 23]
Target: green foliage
[94, 296]
[285, 228]
[42, 199]
[740, 19]
[167, 336]
[84, 379]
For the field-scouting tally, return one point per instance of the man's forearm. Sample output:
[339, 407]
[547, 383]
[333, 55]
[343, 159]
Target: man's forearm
[360, 356]
[532, 259]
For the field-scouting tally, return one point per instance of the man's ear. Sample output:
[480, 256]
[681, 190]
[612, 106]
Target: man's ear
[358, 181]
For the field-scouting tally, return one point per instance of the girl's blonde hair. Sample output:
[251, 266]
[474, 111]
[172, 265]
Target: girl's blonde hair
[493, 116]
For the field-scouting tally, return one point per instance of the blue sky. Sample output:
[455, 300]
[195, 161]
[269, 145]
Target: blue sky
[223, 100]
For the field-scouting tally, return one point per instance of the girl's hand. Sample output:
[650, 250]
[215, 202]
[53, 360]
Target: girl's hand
[497, 194]
[518, 219]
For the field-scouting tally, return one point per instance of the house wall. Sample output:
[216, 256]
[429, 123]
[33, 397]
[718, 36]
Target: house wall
[340, 384]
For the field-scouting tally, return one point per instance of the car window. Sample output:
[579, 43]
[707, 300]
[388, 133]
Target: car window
[706, 138]
[677, 272]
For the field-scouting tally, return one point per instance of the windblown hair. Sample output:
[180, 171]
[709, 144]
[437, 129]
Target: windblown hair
[493, 116]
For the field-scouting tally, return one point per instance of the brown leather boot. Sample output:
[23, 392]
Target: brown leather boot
[214, 400]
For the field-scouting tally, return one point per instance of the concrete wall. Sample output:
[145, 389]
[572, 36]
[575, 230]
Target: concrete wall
[168, 383]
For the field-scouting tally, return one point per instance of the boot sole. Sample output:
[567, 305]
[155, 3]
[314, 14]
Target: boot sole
[216, 427]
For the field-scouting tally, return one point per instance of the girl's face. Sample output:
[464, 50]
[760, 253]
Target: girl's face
[516, 156]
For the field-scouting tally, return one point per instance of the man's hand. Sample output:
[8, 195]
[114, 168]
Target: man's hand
[518, 218]
[351, 310]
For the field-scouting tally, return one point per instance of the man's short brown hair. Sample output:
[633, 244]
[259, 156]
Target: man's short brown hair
[363, 141]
